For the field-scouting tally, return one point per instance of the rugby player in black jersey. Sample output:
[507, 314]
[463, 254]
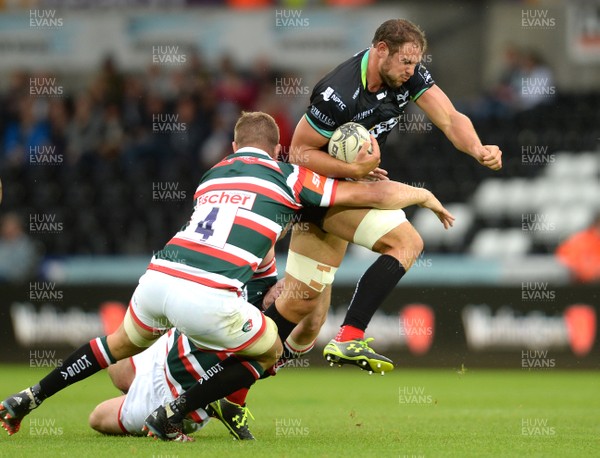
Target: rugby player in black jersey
[371, 88]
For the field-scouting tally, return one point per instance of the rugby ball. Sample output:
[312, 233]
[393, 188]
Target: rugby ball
[346, 141]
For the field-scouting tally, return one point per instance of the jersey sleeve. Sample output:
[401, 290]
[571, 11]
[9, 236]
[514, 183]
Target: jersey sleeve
[327, 110]
[315, 190]
[419, 82]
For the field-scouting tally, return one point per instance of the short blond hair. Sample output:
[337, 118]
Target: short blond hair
[256, 129]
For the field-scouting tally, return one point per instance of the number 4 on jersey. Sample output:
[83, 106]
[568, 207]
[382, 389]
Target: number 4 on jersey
[205, 227]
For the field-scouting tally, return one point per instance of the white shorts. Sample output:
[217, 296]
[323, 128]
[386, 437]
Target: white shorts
[149, 390]
[213, 319]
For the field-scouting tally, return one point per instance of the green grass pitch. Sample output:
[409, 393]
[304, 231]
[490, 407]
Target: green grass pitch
[343, 412]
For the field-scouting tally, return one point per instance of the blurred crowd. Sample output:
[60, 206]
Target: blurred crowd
[81, 157]
[184, 112]
[19, 253]
[88, 153]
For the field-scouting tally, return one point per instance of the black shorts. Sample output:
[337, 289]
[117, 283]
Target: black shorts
[314, 215]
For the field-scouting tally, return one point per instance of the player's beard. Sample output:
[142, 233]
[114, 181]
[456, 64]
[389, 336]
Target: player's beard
[393, 83]
[390, 82]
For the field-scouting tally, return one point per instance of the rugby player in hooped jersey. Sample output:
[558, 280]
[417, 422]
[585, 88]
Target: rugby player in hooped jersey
[194, 284]
[371, 88]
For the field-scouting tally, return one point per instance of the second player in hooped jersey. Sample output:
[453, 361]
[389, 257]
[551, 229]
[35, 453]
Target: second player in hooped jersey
[343, 96]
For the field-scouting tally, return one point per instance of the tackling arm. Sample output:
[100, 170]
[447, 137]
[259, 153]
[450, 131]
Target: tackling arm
[458, 128]
[390, 195]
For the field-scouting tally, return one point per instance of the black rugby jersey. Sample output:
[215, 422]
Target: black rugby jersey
[342, 96]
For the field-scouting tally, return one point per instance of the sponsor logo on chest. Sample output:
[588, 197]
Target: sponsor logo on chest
[329, 94]
[239, 198]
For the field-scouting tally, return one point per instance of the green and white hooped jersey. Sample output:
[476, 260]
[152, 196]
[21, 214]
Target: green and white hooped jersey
[186, 364]
[241, 207]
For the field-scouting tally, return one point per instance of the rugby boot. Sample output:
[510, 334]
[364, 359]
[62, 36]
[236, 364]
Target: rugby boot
[358, 353]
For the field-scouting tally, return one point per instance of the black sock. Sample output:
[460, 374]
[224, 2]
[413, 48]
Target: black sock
[371, 290]
[284, 329]
[233, 374]
[83, 362]
[284, 326]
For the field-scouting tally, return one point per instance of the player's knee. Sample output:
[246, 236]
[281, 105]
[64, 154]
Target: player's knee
[265, 347]
[404, 243]
[274, 354]
[130, 338]
[415, 245]
[105, 417]
[270, 357]
[297, 309]
[95, 419]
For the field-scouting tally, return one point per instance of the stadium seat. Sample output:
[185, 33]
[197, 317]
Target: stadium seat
[562, 166]
[489, 200]
[574, 166]
[498, 243]
[544, 191]
[588, 164]
[568, 192]
[589, 194]
[454, 238]
[433, 233]
[552, 224]
[516, 196]
[584, 191]
[486, 243]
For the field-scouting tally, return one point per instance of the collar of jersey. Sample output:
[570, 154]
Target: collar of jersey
[252, 150]
[364, 63]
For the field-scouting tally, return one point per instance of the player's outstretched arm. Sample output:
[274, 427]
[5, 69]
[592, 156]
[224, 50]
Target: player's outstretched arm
[306, 150]
[433, 204]
[390, 195]
[458, 128]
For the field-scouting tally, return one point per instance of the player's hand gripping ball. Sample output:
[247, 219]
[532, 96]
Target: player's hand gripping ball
[346, 141]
